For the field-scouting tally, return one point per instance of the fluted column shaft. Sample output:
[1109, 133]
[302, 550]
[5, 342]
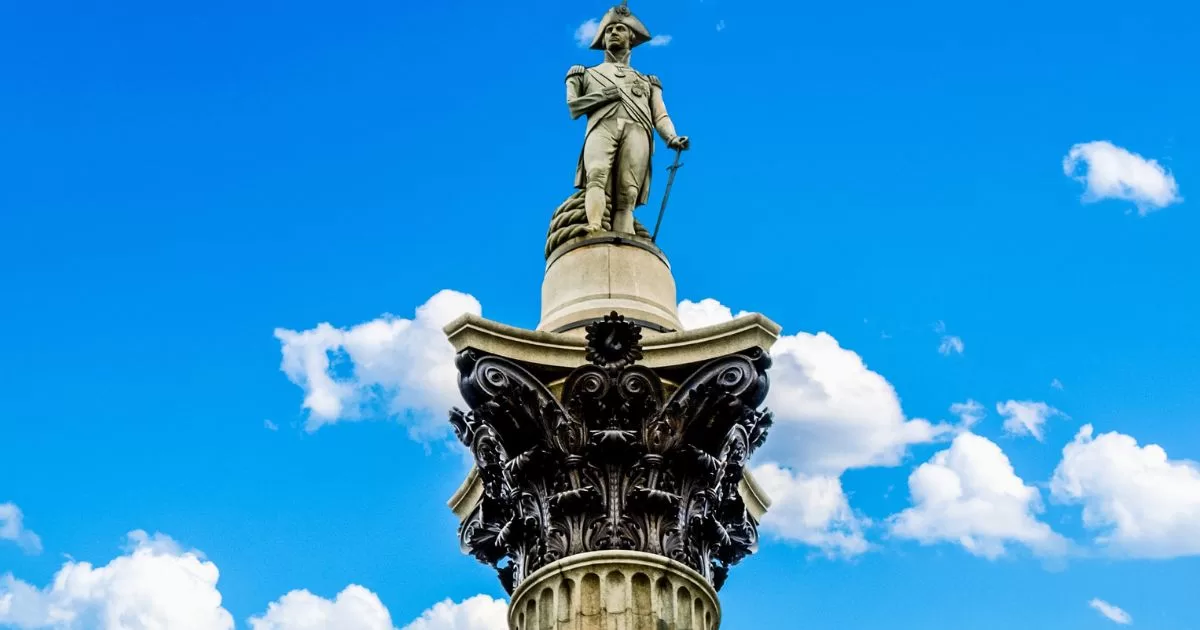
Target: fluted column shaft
[615, 590]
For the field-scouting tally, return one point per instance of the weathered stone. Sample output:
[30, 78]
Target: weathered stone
[591, 277]
[557, 354]
[624, 108]
[614, 590]
[616, 456]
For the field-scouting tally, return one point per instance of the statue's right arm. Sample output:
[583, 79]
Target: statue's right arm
[579, 101]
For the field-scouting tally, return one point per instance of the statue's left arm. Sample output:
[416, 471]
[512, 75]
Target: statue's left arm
[662, 120]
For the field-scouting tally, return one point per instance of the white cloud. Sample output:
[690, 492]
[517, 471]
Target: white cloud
[403, 366]
[476, 613]
[720, 26]
[12, 528]
[969, 414]
[812, 509]
[270, 426]
[1026, 417]
[1143, 503]
[355, 608]
[1115, 173]
[587, 32]
[660, 40]
[970, 495]
[1056, 384]
[706, 312]
[951, 344]
[1113, 613]
[832, 414]
[156, 585]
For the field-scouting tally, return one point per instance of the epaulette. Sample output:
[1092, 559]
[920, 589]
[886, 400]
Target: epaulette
[576, 71]
[655, 81]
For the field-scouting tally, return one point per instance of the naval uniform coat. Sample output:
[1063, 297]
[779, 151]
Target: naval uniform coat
[641, 99]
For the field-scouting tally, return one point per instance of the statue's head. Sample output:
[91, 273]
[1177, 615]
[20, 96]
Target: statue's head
[618, 37]
[620, 30]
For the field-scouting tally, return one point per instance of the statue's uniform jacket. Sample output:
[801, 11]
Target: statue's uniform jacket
[619, 131]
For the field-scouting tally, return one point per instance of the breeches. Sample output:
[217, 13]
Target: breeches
[616, 156]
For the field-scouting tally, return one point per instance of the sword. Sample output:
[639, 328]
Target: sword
[667, 195]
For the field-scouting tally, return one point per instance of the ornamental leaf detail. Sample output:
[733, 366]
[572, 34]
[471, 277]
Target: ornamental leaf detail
[614, 462]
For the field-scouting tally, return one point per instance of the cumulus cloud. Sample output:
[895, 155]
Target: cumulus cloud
[969, 414]
[392, 366]
[355, 608]
[12, 528]
[1111, 612]
[587, 32]
[706, 312]
[1142, 503]
[476, 613]
[1115, 173]
[660, 40]
[812, 509]
[832, 414]
[156, 585]
[1026, 417]
[969, 494]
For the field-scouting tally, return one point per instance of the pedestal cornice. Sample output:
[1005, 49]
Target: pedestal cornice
[568, 351]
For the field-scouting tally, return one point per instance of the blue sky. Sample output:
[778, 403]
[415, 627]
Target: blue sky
[182, 183]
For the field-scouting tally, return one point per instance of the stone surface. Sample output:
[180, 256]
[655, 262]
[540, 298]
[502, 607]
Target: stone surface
[615, 590]
[589, 278]
[470, 491]
[555, 353]
[559, 353]
[624, 108]
[615, 456]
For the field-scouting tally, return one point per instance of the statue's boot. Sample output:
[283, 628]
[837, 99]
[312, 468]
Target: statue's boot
[623, 213]
[594, 205]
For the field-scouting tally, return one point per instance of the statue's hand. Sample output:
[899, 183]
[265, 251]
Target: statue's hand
[679, 143]
[612, 93]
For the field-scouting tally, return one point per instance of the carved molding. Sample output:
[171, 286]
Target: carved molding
[614, 464]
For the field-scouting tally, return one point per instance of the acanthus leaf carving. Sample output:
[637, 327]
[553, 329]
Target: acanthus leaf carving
[613, 463]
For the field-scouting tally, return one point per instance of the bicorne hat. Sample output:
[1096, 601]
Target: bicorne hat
[620, 14]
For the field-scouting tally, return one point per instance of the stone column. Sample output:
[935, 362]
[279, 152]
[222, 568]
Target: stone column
[614, 590]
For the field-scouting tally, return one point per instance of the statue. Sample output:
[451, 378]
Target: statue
[624, 108]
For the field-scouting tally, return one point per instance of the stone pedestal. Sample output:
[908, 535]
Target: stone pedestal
[589, 278]
[614, 590]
